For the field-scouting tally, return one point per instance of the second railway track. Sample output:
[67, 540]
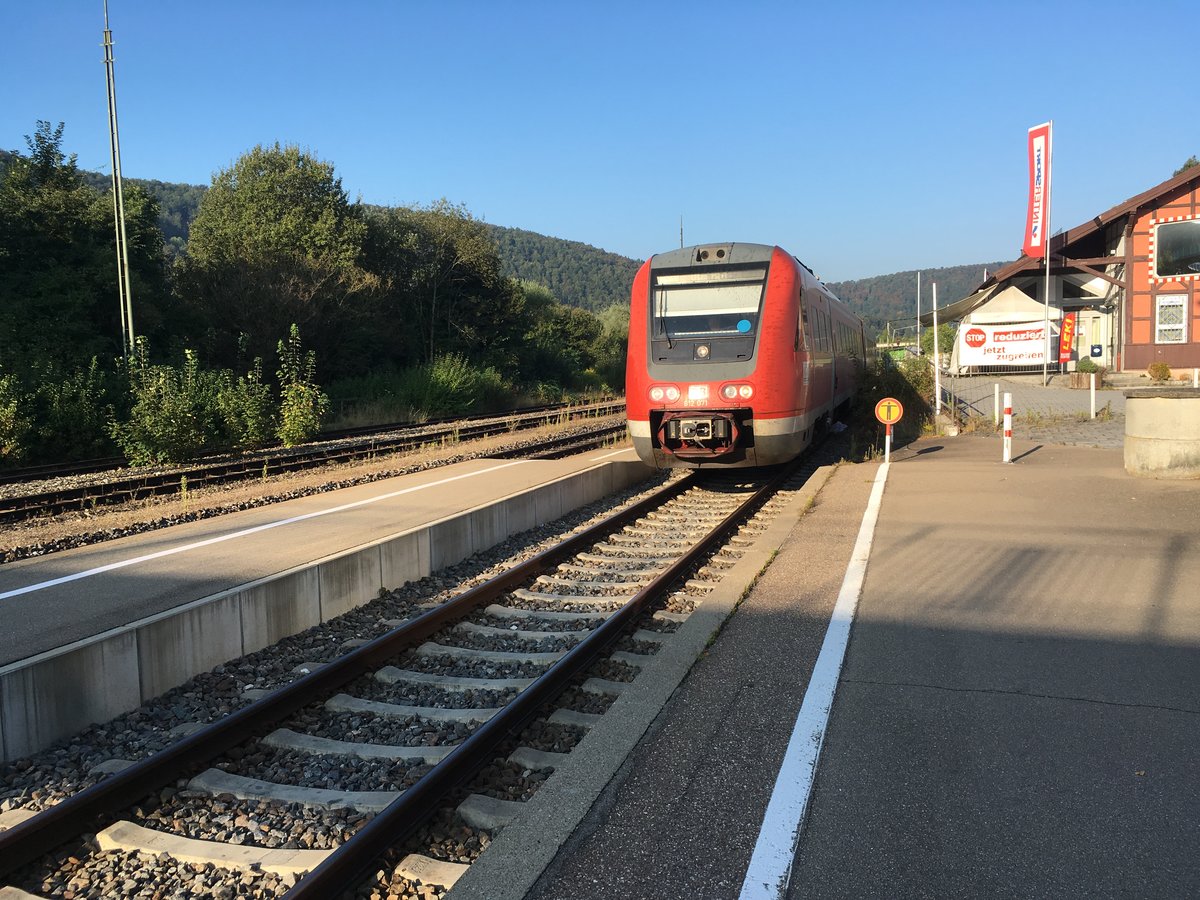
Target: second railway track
[406, 717]
[44, 498]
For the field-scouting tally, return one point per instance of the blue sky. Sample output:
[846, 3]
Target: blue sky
[864, 137]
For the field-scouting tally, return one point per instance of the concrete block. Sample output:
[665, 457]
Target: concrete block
[573, 493]
[489, 526]
[349, 581]
[1162, 433]
[450, 541]
[594, 484]
[61, 692]
[405, 558]
[548, 501]
[279, 607]
[521, 512]
[175, 645]
[627, 473]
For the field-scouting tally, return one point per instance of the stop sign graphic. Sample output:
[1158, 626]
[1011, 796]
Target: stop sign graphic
[975, 337]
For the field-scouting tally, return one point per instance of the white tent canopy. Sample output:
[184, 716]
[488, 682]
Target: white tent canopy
[992, 306]
[1005, 320]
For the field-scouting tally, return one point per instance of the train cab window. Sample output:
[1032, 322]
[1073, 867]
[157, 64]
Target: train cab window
[711, 303]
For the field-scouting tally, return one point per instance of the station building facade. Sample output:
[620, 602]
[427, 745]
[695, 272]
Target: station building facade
[1131, 274]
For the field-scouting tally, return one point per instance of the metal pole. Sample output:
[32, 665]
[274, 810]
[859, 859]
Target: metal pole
[918, 314]
[996, 404]
[123, 288]
[1093, 393]
[887, 445]
[1048, 233]
[937, 368]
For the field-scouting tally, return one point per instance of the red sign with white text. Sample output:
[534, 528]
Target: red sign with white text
[1066, 338]
[1038, 211]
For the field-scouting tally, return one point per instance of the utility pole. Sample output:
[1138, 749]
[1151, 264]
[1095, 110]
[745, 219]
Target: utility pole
[918, 313]
[123, 288]
[681, 232]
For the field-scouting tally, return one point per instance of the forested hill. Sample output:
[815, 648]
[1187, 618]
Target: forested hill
[581, 275]
[893, 298]
[577, 274]
[177, 204]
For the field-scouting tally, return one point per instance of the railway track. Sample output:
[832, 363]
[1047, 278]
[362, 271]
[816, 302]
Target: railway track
[406, 718]
[123, 486]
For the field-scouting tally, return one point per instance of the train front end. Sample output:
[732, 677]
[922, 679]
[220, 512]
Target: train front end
[711, 355]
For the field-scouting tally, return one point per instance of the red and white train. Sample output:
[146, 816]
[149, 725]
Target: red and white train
[738, 354]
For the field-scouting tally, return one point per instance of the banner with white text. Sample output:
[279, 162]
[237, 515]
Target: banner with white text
[1066, 338]
[1038, 209]
[1021, 344]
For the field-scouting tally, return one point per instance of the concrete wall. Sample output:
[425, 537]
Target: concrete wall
[1162, 433]
[58, 693]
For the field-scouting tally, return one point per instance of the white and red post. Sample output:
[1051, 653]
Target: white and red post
[1007, 427]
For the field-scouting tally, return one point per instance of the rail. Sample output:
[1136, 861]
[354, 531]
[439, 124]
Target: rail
[221, 470]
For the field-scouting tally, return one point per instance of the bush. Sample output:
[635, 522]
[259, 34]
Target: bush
[72, 416]
[456, 387]
[247, 409]
[174, 416]
[302, 405]
[1159, 372]
[910, 381]
[14, 427]
[1086, 365]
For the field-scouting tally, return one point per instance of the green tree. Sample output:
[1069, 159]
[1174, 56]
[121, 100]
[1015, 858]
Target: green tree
[275, 242]
[58, 272]
[452, 257]
[612, 346]
[945, 335]
[559, 345]
[1187, 164]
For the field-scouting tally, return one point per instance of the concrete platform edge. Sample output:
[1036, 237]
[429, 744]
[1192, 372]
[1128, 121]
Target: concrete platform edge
[519, 855]
[59, 692]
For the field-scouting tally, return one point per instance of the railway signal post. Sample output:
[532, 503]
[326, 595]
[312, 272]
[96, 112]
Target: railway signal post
[888, 411]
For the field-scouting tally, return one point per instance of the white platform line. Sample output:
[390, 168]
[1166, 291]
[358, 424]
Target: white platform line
[124, 563]
[771, 863]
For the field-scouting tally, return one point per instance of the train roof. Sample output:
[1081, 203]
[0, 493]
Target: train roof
[732, 253]
[727, 254]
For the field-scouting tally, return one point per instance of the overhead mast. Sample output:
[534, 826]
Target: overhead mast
[124, 293]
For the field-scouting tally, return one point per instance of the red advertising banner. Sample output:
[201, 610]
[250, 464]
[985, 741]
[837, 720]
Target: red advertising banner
[1037, 213]
[1066, 338]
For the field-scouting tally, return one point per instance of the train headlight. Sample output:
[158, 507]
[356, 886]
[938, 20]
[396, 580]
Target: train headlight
[736, 391]
[657, 394]
[672, 393]
[702, 351]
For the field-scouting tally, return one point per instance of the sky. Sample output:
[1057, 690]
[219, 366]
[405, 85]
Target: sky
[864, 137]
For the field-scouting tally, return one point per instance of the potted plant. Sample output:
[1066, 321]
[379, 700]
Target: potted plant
[1082, 376]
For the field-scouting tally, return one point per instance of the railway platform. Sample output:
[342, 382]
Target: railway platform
[91, 632]
[1017, 712]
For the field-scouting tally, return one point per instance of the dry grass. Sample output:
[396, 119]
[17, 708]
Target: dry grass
[193, 501]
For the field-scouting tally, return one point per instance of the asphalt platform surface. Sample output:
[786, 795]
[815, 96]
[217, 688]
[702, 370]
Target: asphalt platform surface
[1018, 714]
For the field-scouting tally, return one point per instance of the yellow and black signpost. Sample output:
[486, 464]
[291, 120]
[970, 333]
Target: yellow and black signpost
[888, 411]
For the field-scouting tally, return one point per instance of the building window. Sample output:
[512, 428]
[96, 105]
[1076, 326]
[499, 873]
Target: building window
[1177, 249]
[1169, 325]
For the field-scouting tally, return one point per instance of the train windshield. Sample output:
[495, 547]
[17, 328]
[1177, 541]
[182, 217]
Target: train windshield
[712, 302]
